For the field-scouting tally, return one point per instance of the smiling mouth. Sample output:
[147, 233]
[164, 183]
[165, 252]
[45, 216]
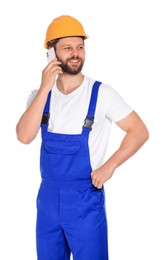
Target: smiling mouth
[74, 62]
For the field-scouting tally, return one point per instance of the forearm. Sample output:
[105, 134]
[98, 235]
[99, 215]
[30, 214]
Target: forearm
[131, 143]
[29, 123]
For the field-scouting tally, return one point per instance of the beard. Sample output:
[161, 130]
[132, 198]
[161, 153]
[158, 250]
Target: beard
[73, 69]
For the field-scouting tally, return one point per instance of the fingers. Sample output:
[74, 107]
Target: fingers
[53, 66]
[97, 182]
[50, 72]
[54, 62]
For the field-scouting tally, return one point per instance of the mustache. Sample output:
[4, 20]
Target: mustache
[75, 57]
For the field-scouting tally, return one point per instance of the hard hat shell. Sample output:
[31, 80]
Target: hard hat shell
[64, 26]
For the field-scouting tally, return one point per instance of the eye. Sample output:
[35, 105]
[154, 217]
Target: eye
[67, 48]
[81, 47]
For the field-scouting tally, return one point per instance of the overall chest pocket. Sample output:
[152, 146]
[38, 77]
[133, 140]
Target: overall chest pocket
[62, 147]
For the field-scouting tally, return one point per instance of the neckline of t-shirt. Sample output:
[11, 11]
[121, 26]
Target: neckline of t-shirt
[73, 93]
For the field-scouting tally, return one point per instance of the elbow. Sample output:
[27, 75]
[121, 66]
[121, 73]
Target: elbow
[145, 135]
[22, 137]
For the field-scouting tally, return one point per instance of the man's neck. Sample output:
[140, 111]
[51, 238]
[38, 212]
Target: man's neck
[68, 83]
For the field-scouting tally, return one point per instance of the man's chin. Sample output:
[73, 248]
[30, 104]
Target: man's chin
[72, 71]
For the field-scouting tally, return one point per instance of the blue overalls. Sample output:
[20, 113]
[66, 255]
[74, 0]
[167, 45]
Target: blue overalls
[71, 215]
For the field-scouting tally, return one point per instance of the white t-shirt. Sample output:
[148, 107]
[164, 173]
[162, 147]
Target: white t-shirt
[67, 114]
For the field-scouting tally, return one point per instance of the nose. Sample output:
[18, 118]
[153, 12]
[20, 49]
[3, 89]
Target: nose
[75, 52]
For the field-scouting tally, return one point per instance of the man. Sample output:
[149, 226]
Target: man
[75, 114]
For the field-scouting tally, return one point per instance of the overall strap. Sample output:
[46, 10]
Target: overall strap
[89, 120]
[46, 113]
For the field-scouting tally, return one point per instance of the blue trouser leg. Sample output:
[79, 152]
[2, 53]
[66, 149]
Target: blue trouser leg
[90, 249]
[53, 247]
[84, 221]
[50, 238]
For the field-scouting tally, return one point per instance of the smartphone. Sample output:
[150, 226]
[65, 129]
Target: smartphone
[51, 54]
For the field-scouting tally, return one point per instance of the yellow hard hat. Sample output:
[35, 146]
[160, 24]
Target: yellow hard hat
[64, 26]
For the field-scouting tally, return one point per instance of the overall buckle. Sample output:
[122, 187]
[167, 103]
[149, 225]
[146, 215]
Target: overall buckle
[88, 122]
[45, 118]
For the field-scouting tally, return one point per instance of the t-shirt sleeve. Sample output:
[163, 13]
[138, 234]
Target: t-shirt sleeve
[116, 106]
[31, 97]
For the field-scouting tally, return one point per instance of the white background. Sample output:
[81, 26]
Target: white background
[127, 48]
